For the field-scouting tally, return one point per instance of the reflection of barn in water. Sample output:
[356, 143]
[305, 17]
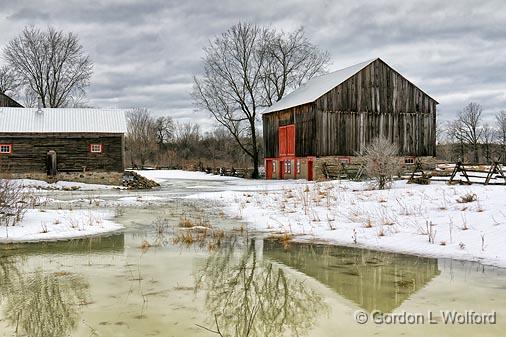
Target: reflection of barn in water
[373, 280]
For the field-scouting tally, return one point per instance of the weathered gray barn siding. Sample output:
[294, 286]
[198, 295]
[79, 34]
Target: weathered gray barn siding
[30, 150]
[6, 101]
[377, 101]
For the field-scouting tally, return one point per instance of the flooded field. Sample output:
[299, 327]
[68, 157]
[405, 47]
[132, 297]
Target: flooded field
[150, 281]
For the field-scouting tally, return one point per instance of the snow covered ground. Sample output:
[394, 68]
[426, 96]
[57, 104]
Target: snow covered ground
[49, 225]
[163, 175]
[432, 220]
[64, 185]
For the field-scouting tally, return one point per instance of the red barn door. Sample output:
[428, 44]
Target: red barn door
[268, 169]
[290, 140]
[282, 141]
[310, 170]
[286, 140]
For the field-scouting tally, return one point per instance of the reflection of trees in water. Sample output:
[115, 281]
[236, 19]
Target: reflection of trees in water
[249, 297]
[41, 304]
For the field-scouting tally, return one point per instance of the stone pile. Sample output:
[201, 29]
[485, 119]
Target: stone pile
[135, 181]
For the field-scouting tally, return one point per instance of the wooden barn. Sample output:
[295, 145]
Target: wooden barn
[333, 117]
[37, 140]
[6, 101]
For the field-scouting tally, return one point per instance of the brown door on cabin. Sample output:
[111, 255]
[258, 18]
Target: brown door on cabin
[51, 163]
[309, 170]
[281, 169]
[268, 169]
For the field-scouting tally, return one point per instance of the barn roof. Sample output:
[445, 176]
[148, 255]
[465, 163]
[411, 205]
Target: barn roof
[317, 87]
[62, 120]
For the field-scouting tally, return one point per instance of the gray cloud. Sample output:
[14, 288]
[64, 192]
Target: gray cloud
[146, 52]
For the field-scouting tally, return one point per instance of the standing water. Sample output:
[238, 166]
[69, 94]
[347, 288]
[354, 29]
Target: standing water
[152, 281]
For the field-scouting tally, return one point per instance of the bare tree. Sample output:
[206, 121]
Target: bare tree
[8, 83]
[468, 129]
[141, 136]
[382, 162]
[487, 136]
[187, 139]
[247, 68]
[456, 140]
[501, 132]
[165, 130]
[291, 59]
[51, 63]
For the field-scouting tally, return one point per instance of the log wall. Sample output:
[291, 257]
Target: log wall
[30, 150]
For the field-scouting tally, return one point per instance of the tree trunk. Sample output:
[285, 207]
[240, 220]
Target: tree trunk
[476, 155]
[254, 151]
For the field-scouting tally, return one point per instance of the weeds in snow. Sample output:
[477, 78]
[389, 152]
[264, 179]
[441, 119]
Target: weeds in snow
[465, 226]
[430, 232]
[354, 236]
[468, 197]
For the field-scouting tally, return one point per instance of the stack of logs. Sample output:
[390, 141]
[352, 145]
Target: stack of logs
[135, 181]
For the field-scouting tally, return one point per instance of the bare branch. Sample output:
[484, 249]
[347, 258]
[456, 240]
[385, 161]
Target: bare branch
[50, 63]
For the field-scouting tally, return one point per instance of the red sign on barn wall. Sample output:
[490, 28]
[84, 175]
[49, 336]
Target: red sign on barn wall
[287, 140]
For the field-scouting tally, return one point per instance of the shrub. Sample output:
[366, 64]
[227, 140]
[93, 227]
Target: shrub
[14, 202]
[381, 162]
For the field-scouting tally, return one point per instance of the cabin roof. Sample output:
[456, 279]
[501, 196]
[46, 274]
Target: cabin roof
[62, 120]
[317, 87]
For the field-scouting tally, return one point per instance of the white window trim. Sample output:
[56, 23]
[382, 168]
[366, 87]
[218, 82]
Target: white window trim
[93, 148]
[3, 146]
[409, 160]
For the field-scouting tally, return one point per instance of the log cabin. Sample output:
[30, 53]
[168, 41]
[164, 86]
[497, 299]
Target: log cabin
[51, 140]
[333, 117]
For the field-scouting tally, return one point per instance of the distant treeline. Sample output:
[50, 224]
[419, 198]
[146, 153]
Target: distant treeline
[162, 142]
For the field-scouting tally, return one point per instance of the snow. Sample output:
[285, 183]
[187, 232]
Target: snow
[163, 175]
[51, 225]
[403, 219]
[64, 185]
[399, 220]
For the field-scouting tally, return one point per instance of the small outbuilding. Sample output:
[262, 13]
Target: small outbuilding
[333, 117]
[40, 140]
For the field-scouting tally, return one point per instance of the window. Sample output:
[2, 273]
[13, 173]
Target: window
[298, 165]
[96, 148]
[5, 148]
[288, 166]
[409, 160]
[344, 160]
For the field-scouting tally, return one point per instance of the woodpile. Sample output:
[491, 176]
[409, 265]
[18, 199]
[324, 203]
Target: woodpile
[135, 181]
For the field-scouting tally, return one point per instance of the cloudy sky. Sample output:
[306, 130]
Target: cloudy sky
[145, 52]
